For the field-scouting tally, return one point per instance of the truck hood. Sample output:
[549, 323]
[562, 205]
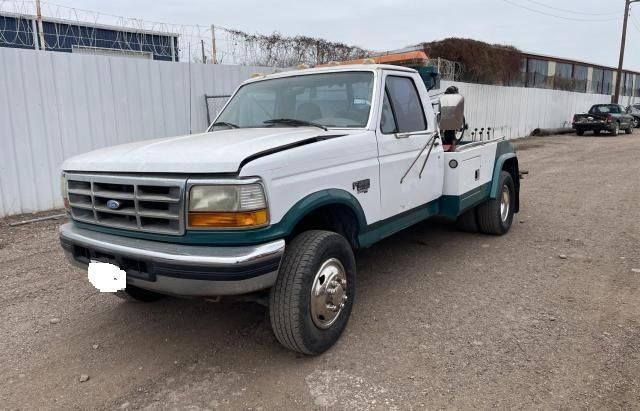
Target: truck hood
[216, 152]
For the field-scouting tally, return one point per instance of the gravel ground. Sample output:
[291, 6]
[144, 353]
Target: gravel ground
[547, 316]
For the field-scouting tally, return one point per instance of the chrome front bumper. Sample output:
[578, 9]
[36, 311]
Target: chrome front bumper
[178, 269]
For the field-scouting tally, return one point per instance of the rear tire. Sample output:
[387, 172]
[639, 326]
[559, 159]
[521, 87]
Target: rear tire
[310, 304]
[580, 132]
[139, 295]
[496, 215]
[468, 222]
[630, 129]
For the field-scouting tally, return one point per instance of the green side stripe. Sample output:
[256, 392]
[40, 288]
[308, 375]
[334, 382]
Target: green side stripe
[453, 206]
[392, 225]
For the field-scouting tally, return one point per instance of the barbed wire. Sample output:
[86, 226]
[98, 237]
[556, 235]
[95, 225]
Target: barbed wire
[69, 27]
[84, 28]
[448, 70]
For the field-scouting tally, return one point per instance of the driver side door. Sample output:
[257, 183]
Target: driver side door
[404, 135]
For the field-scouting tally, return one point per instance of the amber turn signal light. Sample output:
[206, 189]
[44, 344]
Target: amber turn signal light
[240, 219]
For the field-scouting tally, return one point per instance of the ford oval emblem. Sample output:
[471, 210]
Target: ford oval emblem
[113, 204]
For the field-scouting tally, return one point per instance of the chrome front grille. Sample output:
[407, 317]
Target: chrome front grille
[148, 204]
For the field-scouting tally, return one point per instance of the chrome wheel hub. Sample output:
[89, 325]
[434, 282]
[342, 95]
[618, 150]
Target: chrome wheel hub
[328, 293]
[505, 203]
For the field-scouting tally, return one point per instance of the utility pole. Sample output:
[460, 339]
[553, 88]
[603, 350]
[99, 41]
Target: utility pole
[616, 92]
[39, 18]
[214, 58]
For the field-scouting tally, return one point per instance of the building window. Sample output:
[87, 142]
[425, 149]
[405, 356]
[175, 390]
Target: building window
[519, 79]
[607, 82]
[562, 78]
[538, 74]
[596, 81]
[627, 84]
[580, 77]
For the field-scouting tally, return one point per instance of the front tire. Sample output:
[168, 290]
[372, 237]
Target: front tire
[496, 215]
[616, 129]
[310, 304]
[580, 132]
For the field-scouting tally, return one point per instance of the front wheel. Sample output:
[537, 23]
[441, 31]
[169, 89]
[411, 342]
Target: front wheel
[580, 132]
[629, 130]
[496, 215]
[616, 129]
[636, 122]
[310, 304]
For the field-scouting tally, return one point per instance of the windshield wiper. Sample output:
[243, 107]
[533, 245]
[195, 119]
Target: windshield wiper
[224, 123]
[295, 123]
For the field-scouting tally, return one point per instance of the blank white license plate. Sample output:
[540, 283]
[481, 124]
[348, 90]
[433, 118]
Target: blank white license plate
[107, 278]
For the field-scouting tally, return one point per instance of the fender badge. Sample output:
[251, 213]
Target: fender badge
[362, 186]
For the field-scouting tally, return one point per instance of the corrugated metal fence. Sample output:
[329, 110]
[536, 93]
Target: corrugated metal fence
[515, 112]
[56, 105]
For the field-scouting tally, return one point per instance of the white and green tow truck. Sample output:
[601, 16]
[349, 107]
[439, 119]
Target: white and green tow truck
[297, 171]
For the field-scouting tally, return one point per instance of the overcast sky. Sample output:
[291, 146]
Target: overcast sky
[390, 24]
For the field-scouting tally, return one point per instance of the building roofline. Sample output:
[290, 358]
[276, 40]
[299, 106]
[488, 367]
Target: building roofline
[573, 61]
[121, 29]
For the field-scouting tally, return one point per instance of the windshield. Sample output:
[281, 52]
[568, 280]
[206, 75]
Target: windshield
[341, 100]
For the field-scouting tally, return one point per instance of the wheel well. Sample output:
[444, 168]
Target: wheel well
[338, 218]
[511, 166]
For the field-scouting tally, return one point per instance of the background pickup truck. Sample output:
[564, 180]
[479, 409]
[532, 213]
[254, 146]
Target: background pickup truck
[604, 117]
[299, 169]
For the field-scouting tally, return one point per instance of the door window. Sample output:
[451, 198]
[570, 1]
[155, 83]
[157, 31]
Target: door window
[405, 104]
[388, 120]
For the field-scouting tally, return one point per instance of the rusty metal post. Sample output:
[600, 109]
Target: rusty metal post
[39, 18]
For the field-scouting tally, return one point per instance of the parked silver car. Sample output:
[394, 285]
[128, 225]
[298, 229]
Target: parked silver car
[634, 110]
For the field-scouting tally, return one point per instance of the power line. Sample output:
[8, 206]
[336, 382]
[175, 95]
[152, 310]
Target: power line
[544, 13]
[571, 11]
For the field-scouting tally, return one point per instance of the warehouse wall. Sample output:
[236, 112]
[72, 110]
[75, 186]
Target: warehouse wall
[515, 112]
[56, 105]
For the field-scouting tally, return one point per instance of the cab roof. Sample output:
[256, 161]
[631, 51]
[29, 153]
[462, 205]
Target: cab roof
[331, 69]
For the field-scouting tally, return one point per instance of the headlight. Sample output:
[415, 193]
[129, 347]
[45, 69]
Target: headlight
[63, 191]
[227, 206]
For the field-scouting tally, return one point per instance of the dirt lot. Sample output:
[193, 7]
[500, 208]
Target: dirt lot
[545, 317]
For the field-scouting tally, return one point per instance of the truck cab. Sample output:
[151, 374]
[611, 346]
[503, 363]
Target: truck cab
[297, 171]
